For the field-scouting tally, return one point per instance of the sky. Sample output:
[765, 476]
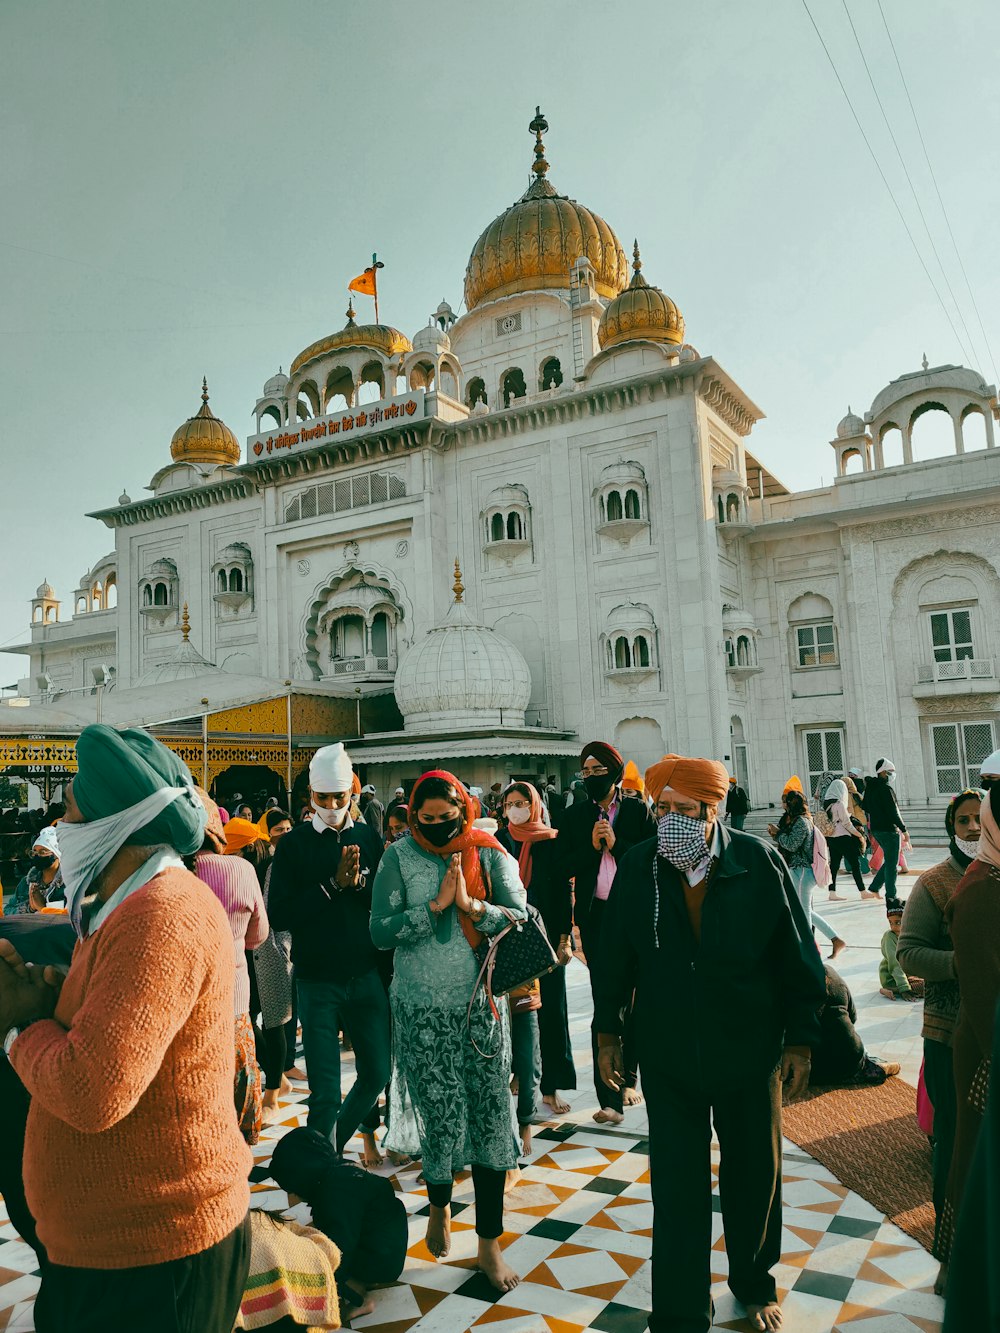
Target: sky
[187, 189]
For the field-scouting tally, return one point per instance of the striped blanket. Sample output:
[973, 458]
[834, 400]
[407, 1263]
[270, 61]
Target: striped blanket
[292, 1271]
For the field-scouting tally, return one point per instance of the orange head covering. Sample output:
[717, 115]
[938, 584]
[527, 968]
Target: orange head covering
[467, 842]
[632, 781]
[240, 833]
[215, 832]
[355, 784]
[703, 780]
[794, 783]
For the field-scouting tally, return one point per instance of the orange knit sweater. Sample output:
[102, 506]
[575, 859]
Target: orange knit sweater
[133, 1155]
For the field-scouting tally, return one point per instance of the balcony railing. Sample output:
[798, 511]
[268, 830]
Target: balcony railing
[969, 668]
[363, 666]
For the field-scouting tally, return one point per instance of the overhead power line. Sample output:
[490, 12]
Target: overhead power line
[885, 181]
[937, 190]
[909, 180]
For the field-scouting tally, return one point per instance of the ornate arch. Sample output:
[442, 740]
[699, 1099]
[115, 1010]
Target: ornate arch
[312, 610]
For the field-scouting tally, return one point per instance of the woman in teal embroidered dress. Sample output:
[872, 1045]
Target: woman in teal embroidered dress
[432, 903]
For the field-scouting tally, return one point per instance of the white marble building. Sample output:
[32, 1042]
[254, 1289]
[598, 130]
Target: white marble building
[631, 570]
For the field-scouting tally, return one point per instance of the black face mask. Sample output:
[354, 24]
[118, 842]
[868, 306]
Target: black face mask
[438, 835]
[42, 862]
[598, 786]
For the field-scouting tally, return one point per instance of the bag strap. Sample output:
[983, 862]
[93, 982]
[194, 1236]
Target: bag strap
[485, 979]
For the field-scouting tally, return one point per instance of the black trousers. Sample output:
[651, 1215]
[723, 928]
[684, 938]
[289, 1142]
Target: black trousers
[590, 937]
[939, 1080]
[292, 1031]
[558, 1070]
[846, 849]
[747, 1121]
[488, 1185]
[269, 1042]
[198, 1294]
[14, 1103]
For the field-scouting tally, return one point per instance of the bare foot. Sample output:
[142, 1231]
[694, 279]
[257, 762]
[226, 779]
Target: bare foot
[631, 1097]
[525, 1131]
[491, 1262]
[270, 1099]
[399, 1158]
[834, 897]
[513, 1180]
[286, 1087]
[439, 1232]
[356, 1299]
[839, 946]
[556, 1104]
[370, 1155]
[299, 1075]
[605, 1116]
[766, 1317]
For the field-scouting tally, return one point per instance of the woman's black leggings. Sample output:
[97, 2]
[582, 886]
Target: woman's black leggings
[488, 1185]
[846, 849]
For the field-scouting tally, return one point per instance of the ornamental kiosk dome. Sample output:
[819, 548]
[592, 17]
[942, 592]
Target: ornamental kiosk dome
[640, 311]
[203, 438]
[381, 338]
[850, 426]
[533, 245]
[462, 675]
[45, 590]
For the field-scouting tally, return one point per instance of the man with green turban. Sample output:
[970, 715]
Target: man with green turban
[134, 1167]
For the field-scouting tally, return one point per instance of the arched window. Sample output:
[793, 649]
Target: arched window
[623, 653]
[147, 595]
[477, 392]
[722, 511]
[37, 616]
[974, 430]
[730, 652]
[496, 528]
[632, 504]
[160, 595]
[743, 651]
[551, 375]
[347, 638]
[380, 635]
[640, 651]
[221, 581]
[515, 532]
[236, 580]
[891, 441]
[732, 508]
[97, 597]
[513, 386]
[110, 592]
[614, 506]
[932, 432]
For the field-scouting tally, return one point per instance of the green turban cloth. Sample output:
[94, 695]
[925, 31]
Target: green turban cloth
[118, 769]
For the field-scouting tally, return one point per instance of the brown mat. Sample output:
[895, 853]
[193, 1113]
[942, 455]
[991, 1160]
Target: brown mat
[869, 1138]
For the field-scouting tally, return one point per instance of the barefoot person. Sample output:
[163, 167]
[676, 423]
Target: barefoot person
[705, 926]
[435, 896]
[593, 837]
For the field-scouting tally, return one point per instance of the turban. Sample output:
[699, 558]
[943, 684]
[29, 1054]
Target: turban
[49, 839]
[794, 783]
[355, 784]
[703, 780]
[215, 831]
[118, 769]
[632, 781]
[604, 754]
[330, 769]
[240, 833]
[884, 766]
[990, 767]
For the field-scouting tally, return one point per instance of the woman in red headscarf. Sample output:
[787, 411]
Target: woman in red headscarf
[544, 876]
[435, 896]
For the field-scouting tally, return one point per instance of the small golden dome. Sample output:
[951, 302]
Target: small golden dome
[381, 338]
[203, 438]
[534, 244]
[640, 312]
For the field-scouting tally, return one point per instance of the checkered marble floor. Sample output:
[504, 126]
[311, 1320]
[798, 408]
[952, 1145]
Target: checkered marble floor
[579, 1221]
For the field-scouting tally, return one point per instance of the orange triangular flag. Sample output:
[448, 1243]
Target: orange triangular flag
[364, 283]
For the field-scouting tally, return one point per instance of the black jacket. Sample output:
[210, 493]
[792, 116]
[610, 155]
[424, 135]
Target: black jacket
[580, 862]
[715, 1012]
[331, 940]
[880, 806]
[549, 889]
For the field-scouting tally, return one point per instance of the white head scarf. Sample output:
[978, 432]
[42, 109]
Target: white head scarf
[837, 791]
[330, 769]
[885, 766]
[48, 839]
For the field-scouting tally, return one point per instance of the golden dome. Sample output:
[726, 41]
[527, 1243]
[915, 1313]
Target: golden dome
[203, 438]
[640, 312]
[381, 338]
[534, 244]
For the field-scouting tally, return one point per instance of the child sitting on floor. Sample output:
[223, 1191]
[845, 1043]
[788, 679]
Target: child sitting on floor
[894, 984]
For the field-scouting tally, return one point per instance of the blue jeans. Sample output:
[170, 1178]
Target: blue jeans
[359, 1004]
[805, 881]
[888, 840]
[525, 1062]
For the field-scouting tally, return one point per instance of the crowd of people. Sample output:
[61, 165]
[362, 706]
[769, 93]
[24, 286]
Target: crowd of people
[161, 951]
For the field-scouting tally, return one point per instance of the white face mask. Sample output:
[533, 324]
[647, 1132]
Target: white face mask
[519, 814]
[332, 818]
[970, 846]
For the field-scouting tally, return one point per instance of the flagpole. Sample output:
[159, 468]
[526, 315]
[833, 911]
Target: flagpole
[375, 268]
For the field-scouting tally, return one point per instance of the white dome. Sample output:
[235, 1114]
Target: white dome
[462, 674]
[276, 385]
[850, 426]
[431, 338]
[45, 590]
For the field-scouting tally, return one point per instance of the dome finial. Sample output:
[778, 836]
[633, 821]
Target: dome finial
[636, 261]
[185, 624]
[458, 588]
[925, 362]
[204, 390]
[350, 312]
[538, 127]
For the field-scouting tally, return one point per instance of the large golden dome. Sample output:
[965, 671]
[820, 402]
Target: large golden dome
[640, 312]
[203, 438]
[534, 244]
[381, 338]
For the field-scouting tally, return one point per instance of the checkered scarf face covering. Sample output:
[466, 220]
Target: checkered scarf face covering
[681, 841]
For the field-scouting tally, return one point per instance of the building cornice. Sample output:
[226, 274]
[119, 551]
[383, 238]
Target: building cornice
[177, 502]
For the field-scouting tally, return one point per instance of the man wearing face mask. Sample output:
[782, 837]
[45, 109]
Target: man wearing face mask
[593, 837]
[43, 882]
[705, 927]
[886, 824]
[320, 892]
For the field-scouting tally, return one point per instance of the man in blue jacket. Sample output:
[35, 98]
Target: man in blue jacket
[705, 927]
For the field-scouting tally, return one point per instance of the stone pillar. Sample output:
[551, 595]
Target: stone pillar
[907, 442]
[956, 421]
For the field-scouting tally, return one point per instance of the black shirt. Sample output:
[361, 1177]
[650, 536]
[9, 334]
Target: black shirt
[330, 926]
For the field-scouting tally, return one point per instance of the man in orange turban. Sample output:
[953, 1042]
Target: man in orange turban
[705, 929]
